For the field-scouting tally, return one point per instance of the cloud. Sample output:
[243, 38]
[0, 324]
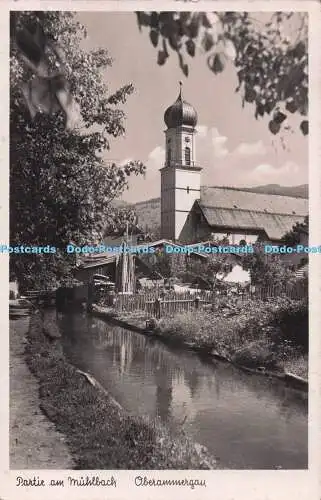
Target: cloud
[157, 155]
[219, 141]
[250, 149]
[210, 143]
[213, 139]
[147, 186]
[265, 173]
[202, 131]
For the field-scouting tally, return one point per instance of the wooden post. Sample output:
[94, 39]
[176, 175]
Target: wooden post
[91, 295]
[197, 302]
[157, 308]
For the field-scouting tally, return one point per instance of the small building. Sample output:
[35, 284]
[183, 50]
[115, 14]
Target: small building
[106, 263]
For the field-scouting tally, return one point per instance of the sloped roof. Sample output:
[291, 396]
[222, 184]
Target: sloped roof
[104, 258]
[233, 198]
[101, 260]
[234, 208]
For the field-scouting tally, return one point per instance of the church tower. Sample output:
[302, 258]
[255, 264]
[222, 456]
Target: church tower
[180, 176]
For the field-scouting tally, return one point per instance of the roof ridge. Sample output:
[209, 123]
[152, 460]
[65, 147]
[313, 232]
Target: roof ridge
[248, 210]
[247, 190]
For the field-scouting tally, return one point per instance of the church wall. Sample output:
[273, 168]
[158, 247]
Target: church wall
[168, 202]
[172, 144]
[176, 142]
[188, 185]
[234, 238]
[180, 189]
[187, 139]
[195, 227]
[188, 178]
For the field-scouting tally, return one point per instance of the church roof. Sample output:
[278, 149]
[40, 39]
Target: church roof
[235, 208]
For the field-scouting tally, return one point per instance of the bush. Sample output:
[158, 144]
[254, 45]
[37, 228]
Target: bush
[257, 354]
[251, 332]
[293, 322]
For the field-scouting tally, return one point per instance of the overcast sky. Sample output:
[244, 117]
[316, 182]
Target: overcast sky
[233, 147]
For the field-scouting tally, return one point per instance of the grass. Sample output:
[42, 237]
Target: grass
[273, 336]
[299, 365]
[99, 434]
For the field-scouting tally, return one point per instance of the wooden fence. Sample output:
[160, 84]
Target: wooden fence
[294, 291]
[45, 297]
[159, 304]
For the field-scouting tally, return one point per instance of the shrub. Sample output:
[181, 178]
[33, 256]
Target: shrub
[254, 333]
[259, 353]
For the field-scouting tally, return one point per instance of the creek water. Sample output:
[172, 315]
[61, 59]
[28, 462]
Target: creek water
[246, 421]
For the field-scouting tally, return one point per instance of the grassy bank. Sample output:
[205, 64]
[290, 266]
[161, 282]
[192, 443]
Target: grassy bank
[269, 335]
[99, 434]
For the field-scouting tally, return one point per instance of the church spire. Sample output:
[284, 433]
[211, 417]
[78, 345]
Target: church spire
[180, 113]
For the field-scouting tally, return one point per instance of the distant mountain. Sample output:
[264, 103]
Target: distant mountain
[149, 211]
[120, 204]
[301, 191]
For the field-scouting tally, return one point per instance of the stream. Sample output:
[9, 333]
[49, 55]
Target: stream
[245, 421]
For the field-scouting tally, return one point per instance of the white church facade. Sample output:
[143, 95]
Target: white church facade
[191, 212]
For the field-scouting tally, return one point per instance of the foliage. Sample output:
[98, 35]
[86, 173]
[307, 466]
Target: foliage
[208, 271]
[250, 332]
[121, 220]
[266, 269]
[160, 262]
[60, 189]
[293, 237]
[292, 320]
[272, 67]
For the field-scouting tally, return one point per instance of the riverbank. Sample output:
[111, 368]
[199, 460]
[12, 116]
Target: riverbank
[259, 337]
[34, 441]
[99, 433]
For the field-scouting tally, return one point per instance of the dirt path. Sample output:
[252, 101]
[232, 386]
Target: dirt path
[34, 441]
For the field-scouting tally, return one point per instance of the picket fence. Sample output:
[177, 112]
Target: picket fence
[157, 304]
[294, 291]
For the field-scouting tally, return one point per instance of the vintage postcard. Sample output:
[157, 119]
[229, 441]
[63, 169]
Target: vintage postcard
[160, 249]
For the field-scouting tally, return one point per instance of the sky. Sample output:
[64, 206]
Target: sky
[233, 147]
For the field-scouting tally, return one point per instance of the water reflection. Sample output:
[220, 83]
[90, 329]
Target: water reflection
[249, 421]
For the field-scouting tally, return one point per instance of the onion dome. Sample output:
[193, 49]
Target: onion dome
[180, 113]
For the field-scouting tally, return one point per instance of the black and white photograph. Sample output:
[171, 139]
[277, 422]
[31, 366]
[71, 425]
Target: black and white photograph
[159, 247]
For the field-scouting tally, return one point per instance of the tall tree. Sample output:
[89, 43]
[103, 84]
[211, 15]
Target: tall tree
[60, 188]
[270, 58]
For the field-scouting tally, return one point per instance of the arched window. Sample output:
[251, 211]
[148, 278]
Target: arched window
[169, 155]
[187, 155]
